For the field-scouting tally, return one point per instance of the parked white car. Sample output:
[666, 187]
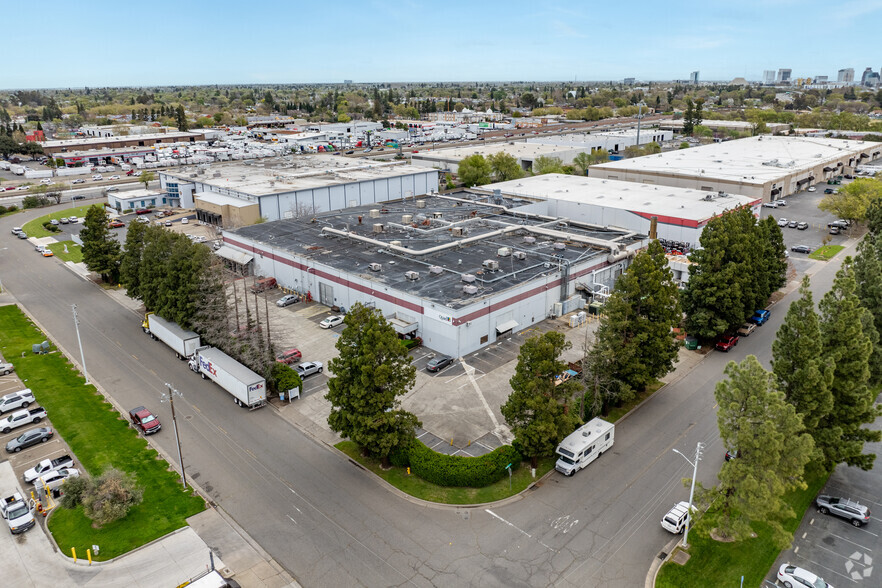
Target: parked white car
[53, 480]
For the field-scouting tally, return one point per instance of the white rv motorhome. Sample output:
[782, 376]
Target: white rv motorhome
[584, 445]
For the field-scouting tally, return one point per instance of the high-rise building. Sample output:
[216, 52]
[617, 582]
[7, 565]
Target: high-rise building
[784, 76]
[846, 75]
[872, 79]
[693, 77]
[821, 79]
[868, 76]
[769, 77]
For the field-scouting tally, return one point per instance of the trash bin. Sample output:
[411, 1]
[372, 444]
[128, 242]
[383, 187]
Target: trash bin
[282, 396]
[691, 343]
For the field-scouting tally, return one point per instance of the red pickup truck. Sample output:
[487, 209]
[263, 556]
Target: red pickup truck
[144, 420]
[727, 342]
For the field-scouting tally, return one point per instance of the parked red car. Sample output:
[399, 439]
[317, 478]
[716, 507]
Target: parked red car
[289, 356]
[143, 211]
[116, 224]
[727, 342]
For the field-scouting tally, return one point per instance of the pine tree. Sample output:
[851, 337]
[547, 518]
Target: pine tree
[100, 248]
[212, 319]
[773, 449]
[774, 254]
[868, 278]
[802, 372]
[371, 371]
[538, 411]
[849, 349]
[638, 320]
[130, 263]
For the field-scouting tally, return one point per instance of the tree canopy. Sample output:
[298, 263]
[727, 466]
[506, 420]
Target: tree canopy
[101, 251]
[474, 171]
[504, 167]
[853, 199]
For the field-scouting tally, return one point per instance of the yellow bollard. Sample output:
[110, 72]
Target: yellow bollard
[73, 550]
[89, 555]
[470, 443]
[408, 470]
[451, 441]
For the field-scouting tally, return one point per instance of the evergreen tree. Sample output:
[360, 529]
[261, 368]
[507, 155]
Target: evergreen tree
[848, 348]
[774, 254]
[130, 263]
[100, 247]
[773, 449]
[537, 410]
[371, 371]
[184, 265]
[688, 122]
[868, 278]
[801, 371]
[638, 320]
[212, 319]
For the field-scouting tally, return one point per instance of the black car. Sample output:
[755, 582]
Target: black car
[29, 438]
[801, 249]
[439, 363]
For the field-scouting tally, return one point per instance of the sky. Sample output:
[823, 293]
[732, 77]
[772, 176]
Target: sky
[111, 43]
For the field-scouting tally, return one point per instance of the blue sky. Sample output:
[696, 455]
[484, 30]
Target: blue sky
[161, 42]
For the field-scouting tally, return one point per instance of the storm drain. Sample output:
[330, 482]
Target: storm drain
[662, 555]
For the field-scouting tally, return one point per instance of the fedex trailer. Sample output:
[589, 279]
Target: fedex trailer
[248, 388]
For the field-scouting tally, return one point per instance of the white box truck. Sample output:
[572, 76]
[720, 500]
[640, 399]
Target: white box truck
[183, 342]
[248, 388]
[584, 445]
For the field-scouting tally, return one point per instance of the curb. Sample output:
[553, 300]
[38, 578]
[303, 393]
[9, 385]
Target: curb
[657, 563]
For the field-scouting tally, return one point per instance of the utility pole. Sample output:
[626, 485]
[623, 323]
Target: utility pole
[639, 112]
[80, 342]
[170, 398]
[694, 465]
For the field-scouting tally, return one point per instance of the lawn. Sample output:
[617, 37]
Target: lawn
[74, 253]
[99, 437]
[722, 564]
[826, 253]
[35, 228]
[416, 486]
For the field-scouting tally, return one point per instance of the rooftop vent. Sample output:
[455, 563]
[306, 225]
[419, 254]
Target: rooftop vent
[468, 278]
[519, 255]
[503, 252]
[491, 264]
[375, 213]
[378, 228]
[470, 289]
[406, 219]
[559, 246]
[420, 203]
[456, 231]
[375, 267]
[436, 215]
[412, 275]
[529, 239]
[436, 270]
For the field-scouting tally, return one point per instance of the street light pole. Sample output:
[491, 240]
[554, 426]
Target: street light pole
[170, 397]
[694, 465]
[80, 342]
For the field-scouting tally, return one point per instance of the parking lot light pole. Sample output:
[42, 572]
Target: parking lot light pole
[170, 397]
[79, 341]
[694, 465]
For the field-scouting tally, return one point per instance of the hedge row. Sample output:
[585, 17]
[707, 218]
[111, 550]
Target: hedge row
[453, 470]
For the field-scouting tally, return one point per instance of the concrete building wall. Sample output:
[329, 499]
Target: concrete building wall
[233, 216]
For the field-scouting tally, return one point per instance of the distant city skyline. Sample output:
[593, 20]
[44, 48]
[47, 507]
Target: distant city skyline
[102, 43]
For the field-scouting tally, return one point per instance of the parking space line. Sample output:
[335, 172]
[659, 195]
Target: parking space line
[852, 542]
[816, 564]
[52, 453]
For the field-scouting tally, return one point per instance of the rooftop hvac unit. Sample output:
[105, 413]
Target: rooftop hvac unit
[456, 231]
[421, 203]
[468, 278]
[395, 243]
[375, 267]
[406, 219]
[378, 227]
[375, 213]
[412, 275]
[529, 239]
[519, 255]
[437, 215]
[436, 270]
[559, 246]
[470, 289]
[491, 264]
[503, 252]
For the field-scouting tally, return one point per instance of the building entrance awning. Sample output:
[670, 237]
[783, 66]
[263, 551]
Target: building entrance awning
[402, 326]
[235, 256]
[506, 326]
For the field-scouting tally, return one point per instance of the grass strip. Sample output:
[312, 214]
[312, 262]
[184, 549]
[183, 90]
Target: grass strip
[99, 438]
[74, 252]
[714, 563]
[826, 253]
[34, 228]
[419, 488]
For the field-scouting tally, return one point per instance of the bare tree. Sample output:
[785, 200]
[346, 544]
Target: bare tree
[301, 210]
[55, 196]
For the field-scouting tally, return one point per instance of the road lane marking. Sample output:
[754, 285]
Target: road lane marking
[292, 520]
[512, 525]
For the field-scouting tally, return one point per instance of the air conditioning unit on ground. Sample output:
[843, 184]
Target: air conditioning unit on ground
[412, 275]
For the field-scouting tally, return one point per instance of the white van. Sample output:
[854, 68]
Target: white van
[584, 445]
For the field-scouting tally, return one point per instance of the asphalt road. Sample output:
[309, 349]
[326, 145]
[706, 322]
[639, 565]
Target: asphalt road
[329, 523]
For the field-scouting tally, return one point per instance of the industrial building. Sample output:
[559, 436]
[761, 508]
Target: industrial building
[294, 186]
[741, 126]
[763, 167]
[612, 141]
[525, 153]
[460, 271]
[86, 143]
[681, 213]
[135, 199]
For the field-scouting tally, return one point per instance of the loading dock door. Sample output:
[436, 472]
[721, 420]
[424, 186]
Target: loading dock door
[326, 294]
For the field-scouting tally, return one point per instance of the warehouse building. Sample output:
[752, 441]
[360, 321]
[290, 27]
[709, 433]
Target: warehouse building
[525, 153]
[741, 126]
[147, 140]
[764, 167]
[295, 187]
[681, 213]
[459, 271]
[611, 141]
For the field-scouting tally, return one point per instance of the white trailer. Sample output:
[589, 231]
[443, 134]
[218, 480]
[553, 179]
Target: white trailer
[248, 388]
[37, 173]
[183, 342]
[584, 445]
[17, 170]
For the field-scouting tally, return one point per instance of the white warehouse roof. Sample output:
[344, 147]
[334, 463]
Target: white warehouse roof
[643, 199]
[754, 160]
[519, 150]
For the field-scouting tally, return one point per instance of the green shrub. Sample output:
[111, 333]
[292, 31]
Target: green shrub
[453, 470]
[400, 456]
[411, 343]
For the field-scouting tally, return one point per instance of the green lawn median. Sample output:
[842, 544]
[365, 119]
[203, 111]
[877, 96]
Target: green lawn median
[715, 563]
[826, 253]
[419, 488]
[35, 228]
[99, 438]
[74, 252]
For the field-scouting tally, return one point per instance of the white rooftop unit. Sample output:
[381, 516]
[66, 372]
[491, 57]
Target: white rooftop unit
[519, 255]
[470, 289]
[491, 264]
[529, 239]
[378, 227]
[420, 203]
[406, 219]
[468, 278]
[436, 270]
[560, 246]
[412, 275]
[375, 213]
[375, 267]
[456, 231]
[503, 252]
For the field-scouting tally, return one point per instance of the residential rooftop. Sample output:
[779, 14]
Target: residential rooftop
[754, 160]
